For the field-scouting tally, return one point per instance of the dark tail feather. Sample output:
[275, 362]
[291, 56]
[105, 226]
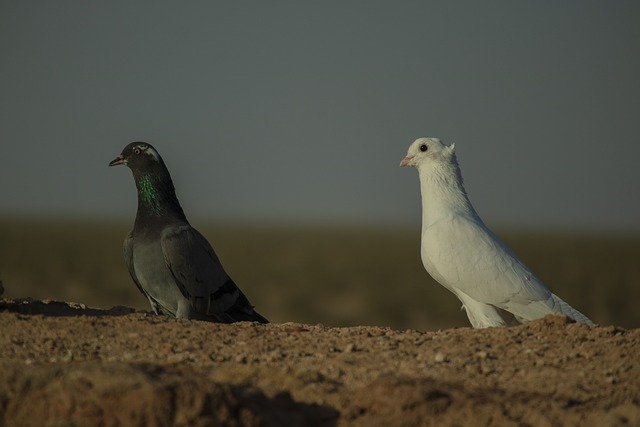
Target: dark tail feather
[242, 311]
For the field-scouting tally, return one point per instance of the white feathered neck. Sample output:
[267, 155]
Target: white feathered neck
[443, 195]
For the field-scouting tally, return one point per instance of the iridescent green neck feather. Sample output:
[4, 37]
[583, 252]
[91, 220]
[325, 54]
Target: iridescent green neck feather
[156, 195]
[148, 194]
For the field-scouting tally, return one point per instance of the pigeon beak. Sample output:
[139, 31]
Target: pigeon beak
[406, 161]
[120, 160]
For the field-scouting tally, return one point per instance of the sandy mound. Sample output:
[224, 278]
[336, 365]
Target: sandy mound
[66, 364]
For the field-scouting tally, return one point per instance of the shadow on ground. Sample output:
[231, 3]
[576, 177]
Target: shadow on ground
[144, 394]
[58, 308]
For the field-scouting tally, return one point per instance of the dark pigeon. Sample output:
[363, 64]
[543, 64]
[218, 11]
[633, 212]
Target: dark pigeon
[172, 264]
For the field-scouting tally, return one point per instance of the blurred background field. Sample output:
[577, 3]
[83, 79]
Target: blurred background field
[337, 276]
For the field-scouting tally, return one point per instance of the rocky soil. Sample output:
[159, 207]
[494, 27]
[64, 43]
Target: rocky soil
[65, 364]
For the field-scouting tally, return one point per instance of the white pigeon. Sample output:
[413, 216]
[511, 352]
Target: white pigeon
[464, 256]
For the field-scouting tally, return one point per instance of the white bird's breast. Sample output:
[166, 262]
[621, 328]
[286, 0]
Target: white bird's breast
[440, 253]
[461, 256]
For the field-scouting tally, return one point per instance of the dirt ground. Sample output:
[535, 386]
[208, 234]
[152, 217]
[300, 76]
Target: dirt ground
[65, 364]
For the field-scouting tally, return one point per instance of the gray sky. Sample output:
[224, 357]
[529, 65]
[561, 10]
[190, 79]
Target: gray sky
[293, 110]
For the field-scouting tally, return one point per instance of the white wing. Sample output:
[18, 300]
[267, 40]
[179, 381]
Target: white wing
[467, 258]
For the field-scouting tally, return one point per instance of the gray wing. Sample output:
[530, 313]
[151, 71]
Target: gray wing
[199, 273]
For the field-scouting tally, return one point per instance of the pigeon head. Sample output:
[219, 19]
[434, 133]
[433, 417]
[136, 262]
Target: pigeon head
[138, 155]
[428, 150]
[156, 193]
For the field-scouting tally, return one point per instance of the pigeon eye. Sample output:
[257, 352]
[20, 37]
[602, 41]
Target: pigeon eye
[136, 150]
[424, 147]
